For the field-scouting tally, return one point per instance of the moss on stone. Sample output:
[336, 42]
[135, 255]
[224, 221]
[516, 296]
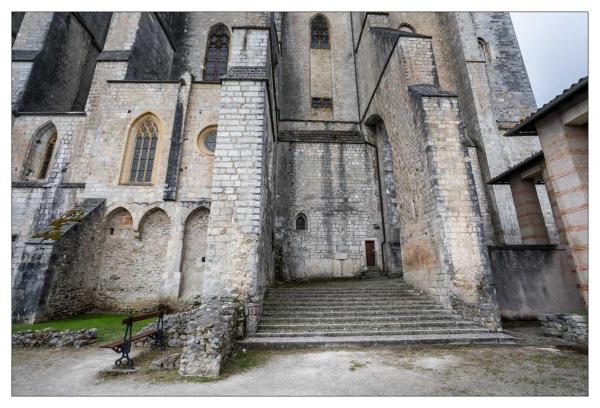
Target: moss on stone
[55, 228]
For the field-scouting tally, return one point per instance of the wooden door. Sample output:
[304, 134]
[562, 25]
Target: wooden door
[370, 248]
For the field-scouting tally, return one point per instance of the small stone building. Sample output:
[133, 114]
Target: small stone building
[181, 157]
[556, 276]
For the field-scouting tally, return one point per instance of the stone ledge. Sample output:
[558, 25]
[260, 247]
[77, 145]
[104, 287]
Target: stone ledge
[245, 73]
[24, 55]
[114, 56]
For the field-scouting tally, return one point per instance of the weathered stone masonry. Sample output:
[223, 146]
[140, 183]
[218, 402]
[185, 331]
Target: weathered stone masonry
[398, 162]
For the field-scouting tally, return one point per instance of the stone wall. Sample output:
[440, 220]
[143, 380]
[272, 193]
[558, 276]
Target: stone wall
[130, 273]
[299, 64]
[53, 275]
[152, 53]
[570, 327]
[62, 70]
[239, 251]
[441, 232]
[533, 279]
[54, 338]
[335, 186]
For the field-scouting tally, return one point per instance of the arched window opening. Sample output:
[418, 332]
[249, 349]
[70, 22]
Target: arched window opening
[41, 151]
[319, 32]
[484, 50]
[217, 53]
[407, 28]
[47, 157]
[301, 222]
[143, 150]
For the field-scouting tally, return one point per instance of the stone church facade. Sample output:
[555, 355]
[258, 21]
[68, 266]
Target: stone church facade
[181, 157]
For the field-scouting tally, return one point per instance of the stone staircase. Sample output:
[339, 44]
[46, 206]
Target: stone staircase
[359, 313]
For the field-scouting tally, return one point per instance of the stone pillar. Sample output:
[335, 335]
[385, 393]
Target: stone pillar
[529, 212]
[566, 155]
[29, 42]
[239, 229]
[169, 292]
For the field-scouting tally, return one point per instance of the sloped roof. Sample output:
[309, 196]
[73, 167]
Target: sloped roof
[526, 126]
[504, 177]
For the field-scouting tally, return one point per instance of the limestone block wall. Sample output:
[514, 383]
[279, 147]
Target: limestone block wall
[191, 34]
[441, 232]
[34, 203]
[74, 262]
[335, 186]
[299, 64]
[30, 39]
[195, 175]
[131, 268]
[239, 250]
[493, 93]
[51, 279]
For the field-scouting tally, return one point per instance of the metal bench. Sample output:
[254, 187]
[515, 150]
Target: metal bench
[124, 346]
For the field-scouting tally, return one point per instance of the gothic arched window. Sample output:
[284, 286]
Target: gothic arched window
[301, 222]
[39, 156]
[319, 32]
[217, 53]
[143, 143]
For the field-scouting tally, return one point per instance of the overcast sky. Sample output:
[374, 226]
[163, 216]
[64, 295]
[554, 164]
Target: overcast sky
[555, 50]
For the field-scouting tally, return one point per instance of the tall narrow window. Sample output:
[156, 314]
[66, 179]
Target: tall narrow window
[217, 53]
[143, 151]
[47, 157]
[319, 32]
[484, 50]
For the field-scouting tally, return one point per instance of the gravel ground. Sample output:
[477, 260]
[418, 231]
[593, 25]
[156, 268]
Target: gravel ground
[460, 370]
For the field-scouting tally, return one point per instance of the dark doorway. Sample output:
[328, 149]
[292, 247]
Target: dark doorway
[370, 248]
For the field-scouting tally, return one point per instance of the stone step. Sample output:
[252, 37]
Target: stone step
[374, 340]
[351, 308]
[414, 314]
[347, 296]
[369, 325]
[344, 293]
[341, 303]
[349, 300]
[370, 332]
[278, 319]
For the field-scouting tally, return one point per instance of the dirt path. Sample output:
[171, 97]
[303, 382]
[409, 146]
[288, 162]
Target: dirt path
[469, 370]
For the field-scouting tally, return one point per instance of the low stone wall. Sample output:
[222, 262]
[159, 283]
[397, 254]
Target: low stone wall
[532, 280]
[207, 334]
[570, 327]
[54, 338]
[211, 339]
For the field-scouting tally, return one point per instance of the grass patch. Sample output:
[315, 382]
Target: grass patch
[355, 364]
[109, 325]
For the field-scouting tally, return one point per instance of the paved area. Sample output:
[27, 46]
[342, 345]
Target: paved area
[395, 371]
